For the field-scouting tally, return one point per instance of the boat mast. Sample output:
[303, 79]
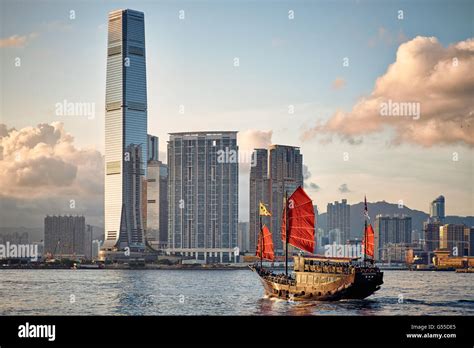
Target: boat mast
[366, 214]
[286, 233]
[365, 239]
[261, 243]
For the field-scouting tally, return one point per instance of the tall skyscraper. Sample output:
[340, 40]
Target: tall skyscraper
[65, 236]
[125, 131]
[285, 173]
[153, 191]
[273, 173]
[203, 191]
[338, 218]
[437, 209]
[157, 197]
[391, 230]
[259, 186]
[163, 208]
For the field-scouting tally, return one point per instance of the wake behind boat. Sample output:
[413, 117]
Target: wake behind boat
[315, 277]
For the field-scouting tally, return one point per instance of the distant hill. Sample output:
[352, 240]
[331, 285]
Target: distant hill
[385, 208]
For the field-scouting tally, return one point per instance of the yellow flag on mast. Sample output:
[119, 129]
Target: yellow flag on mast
[263, 210]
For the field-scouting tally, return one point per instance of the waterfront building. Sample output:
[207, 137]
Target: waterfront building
[125, 131]
[259, 186]
[471, 240]
[273, 173]
[203, 195]
[285, 174]
[65, 236]
[163, 206]
[431, 235]
[454, 238]
[320, 241]
[153, 191]
[395, 253]
[336, 236]
[437, 209]
[393, 230]
[338, 218]
[88, 241]
[444, 259]
[96, 245]
[243, 237]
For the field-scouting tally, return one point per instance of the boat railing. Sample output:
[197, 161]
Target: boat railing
[278, 278]
[329, 269]
[282, 280]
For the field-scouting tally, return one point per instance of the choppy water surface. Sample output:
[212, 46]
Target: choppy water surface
[165, 292]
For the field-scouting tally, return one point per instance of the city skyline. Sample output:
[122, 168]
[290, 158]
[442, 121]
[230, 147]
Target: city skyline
[414, 173]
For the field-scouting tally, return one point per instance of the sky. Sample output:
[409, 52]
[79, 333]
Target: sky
[311, 74]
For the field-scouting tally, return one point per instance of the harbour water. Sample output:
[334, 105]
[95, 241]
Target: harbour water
[217, 292]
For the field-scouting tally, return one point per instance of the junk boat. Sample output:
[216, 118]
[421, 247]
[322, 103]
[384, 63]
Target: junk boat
[315, 278]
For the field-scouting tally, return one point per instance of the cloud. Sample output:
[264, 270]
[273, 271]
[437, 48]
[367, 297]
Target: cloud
[339, 83]
[42, 164]
[17, 40]
[248, 141]
[254, 139]
[312, 186]
[306, 172]
[344, 188]
[437, 79]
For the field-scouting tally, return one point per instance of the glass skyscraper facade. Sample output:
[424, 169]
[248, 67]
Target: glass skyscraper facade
[125, 130]
[437, 209]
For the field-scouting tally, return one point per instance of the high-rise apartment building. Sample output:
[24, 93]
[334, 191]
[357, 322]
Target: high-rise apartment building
[157, 197]
[285, 174]
[259, 187]
[125, 131]
[203, 180]
[274, 173]
[391, 230]
[163, 206]
[65, 236]
[153, 191]
[338, 218]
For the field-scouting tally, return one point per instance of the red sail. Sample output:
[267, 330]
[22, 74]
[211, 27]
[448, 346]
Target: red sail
[266, 244]
[300, 221]
[369, 236]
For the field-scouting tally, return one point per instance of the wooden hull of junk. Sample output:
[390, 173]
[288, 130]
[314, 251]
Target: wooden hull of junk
[322, 279]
